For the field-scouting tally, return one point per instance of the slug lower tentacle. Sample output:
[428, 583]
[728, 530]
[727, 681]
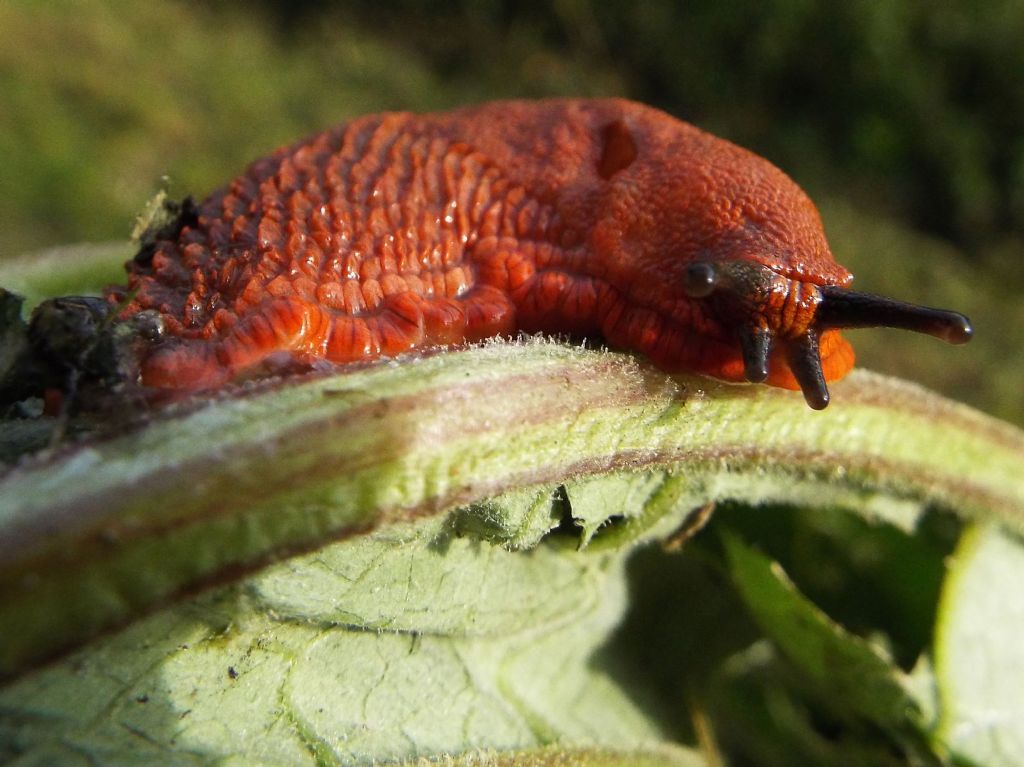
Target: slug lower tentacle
[756, 346]
[804, 356]
[585, 217]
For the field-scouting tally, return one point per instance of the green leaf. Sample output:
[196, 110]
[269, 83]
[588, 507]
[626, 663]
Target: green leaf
[856, 673]
[978, 656]
[83, 269]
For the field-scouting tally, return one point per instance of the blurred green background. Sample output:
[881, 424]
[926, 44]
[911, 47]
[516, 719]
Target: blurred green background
[903, 120]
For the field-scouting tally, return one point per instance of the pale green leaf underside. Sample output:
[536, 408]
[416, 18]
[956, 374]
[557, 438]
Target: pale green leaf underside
[343, 656]
[978, 649]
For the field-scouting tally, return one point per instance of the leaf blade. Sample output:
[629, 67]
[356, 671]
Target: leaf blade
[977, 653]
[283, 469]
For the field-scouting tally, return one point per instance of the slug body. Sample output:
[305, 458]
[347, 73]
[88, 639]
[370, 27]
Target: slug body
[599, 218]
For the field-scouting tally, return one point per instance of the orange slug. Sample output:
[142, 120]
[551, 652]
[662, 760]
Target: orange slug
[602, 218]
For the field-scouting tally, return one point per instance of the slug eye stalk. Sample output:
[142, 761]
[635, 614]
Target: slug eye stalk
[841, 308]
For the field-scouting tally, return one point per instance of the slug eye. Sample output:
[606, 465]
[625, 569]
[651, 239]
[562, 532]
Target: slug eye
[699, 280]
